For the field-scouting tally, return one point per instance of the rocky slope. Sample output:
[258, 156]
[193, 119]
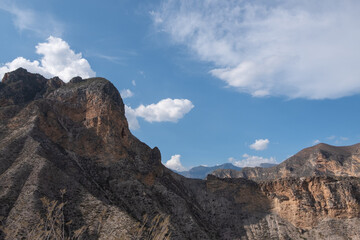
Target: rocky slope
[319, 160]
[75, 136]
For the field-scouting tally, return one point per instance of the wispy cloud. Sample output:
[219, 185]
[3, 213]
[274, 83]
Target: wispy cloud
[113, 59]
[126, 93]
[297, 49]
[251, 161]
[43, 24]
[333, 140]
[121, 59]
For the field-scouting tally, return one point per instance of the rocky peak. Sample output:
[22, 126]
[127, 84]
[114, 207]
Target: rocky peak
[75, 136]
[86, 116]
[76, 79]
[20, 87]
[17, 75]
[319, 160]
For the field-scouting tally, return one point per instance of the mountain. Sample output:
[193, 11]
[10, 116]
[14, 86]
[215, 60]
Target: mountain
[202, 171]
[319, 160]
[69, 144]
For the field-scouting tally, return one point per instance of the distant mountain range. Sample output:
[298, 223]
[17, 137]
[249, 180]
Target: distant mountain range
[202, 171]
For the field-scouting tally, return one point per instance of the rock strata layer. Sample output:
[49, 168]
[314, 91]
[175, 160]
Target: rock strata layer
[75, 136]
[319, 160]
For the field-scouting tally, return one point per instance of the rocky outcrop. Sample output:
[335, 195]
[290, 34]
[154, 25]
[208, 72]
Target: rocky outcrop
[319, 160]
[75, 136]
[305, 202]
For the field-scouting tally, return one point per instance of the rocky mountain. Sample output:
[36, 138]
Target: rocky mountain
[319, 160]
[74, 136]
[202, 171]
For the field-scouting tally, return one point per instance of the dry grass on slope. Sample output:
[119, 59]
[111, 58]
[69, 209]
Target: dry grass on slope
[52, 226]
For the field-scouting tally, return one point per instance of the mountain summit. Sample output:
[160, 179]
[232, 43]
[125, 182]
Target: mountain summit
[319, 160]
[70, 143]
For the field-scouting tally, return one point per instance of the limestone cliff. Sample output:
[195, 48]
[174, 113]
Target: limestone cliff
[75, 136]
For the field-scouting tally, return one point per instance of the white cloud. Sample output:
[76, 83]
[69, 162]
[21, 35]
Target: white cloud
[260, 144]
[251, 161]
[57, 60]
[175, 164]
[133, 83]
[298, 49]
[131, 118]
[317, 141]
[166, 110]
[126, 93]
[40, 23]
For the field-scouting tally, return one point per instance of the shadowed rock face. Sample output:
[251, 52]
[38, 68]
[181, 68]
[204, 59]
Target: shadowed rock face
[319, 160]
[75, 136]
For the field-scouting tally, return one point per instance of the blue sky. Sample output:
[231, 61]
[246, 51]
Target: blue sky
[208, 82]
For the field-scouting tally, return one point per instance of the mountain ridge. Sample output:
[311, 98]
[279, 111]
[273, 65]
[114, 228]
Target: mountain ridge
[75, 136]
[321, 159]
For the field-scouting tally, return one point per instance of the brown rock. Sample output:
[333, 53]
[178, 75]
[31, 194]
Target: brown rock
[75, 136]
[319, 160]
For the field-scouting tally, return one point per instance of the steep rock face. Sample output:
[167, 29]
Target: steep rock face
[319, 160]
[56, 136]
[307, 201]
[75, 136]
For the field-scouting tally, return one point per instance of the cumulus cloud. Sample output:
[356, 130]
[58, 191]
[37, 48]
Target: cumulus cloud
[297, 49]
[260, 144]
[57, 60]
[251, 161]
[131, 118]
[317, 141]
[166, 110]
[126, 93]
[175, 164]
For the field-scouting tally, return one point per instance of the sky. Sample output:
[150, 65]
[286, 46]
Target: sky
[208, 82]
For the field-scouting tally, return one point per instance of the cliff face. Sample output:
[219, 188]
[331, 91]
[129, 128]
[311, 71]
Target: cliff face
[75, 136]
[305, 202]
[319, 160]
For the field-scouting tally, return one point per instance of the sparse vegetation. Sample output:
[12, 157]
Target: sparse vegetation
[158, 230]
[52, 226]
